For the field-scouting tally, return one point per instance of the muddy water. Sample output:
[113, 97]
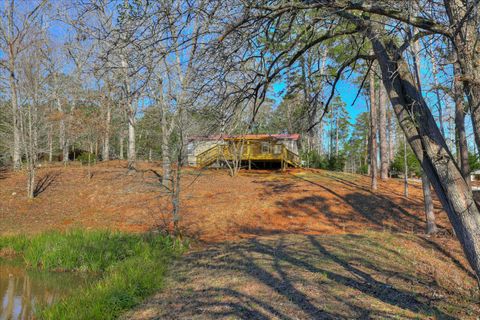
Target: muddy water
[22, 291]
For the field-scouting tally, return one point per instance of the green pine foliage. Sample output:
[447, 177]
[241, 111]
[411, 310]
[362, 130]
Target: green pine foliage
[473, 161]
[398, 165]
[312, 159]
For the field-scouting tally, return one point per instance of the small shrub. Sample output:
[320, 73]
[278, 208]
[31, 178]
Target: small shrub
[473, 161]
[313, 159]
[398, 164]
[86, 158]
[336, 163]
[363, 169]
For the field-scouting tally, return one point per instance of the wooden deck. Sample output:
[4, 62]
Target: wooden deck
[249, 151]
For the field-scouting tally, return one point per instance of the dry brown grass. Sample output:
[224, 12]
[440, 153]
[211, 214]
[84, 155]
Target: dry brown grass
[215, 207]
[302, 244]
[375, 275]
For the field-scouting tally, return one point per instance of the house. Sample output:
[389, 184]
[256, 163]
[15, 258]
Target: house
[252, 150]
[475, 175]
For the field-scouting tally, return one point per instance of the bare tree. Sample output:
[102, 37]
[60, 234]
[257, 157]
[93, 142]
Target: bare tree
[232, 152]
[382, 132]
[58, 93]
[121, 56]
[173, 46]
[428, 145]
[373, 130]
[15, 24]
[412, 111]
[461, 135]
[405, 167]
[107, 107]
[431, 227]
[34, 107]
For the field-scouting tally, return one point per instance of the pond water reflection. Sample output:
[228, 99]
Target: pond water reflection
[22, 291]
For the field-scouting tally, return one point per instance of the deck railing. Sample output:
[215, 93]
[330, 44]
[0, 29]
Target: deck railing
[250, 152]
[291, 158]
[208, 157]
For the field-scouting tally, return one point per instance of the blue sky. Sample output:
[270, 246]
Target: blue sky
[345, 90]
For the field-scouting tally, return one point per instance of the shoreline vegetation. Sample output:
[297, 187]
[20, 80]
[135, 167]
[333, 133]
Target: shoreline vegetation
[129, 267]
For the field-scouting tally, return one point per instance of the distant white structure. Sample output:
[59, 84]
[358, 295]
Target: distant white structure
[475, 175]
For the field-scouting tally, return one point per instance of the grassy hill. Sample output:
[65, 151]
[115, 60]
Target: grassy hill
[283, 245]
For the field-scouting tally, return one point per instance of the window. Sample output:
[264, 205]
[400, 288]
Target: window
[190, 148]
[265, 147]
[277, 149]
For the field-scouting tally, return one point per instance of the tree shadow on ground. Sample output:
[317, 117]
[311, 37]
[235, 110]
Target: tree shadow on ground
[364, 209]
[275, 187]
[357, 186]
[287, 278]
[3, 173]
[431, 244]
[44, 182]
[316, 208]
[376, 209]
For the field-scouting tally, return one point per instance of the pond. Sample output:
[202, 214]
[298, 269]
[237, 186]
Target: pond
[22, 291]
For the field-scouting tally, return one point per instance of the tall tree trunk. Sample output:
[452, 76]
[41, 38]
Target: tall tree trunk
[29, 137]
[382, 132]
[373, 131]
[366, 158]
[437, 94]
[62, 128]
[460, 125]
[391, 136]
[131, 152]
[336, 137]
[16, 148]
[330, 144]
[320, 139]
[176, 199]
[131, 113]
[467, 47]
[312, 105]
[429, 146]
[121, 143]
[63, 141]
[166, 167]
[106, 138]
[96, 151]
[405, 167]
[16, 152]
[429, 214]
[50, 143]
[166, 163]
[451, 141]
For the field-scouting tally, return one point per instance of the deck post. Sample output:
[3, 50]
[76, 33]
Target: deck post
[249, 155]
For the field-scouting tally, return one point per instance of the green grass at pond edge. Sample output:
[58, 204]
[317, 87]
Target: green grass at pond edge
[130, 267]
